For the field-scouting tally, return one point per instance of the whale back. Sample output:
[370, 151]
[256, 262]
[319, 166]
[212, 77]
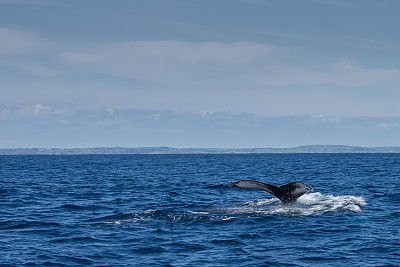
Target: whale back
[290, 192]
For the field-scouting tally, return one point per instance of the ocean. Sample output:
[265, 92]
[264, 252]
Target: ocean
[179, 210]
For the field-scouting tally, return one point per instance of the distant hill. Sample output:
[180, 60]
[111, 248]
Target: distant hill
[169, 150]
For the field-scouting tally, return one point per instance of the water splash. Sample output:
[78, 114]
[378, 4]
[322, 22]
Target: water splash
[306, 205]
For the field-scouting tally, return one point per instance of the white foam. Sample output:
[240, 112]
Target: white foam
[198, 212]
[306, 205]
[309, 204]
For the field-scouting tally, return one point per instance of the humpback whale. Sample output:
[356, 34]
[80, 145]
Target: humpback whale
[287, 193]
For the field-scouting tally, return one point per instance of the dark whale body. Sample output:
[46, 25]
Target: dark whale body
[287, 193]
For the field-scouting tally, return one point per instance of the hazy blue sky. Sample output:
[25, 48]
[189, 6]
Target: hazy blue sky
[199, 73]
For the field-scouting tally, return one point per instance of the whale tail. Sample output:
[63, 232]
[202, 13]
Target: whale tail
[287, 193]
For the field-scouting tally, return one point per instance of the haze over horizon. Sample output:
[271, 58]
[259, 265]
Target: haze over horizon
[200, 73]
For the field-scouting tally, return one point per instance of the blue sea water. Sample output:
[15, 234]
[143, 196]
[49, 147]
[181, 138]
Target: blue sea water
[179, 210]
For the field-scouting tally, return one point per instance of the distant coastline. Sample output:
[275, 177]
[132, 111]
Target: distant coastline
[169, 150]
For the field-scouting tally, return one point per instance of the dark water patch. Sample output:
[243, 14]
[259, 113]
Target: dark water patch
[76, 260]
[395, 214]
[185, 247]
[324, 260]
[218, 186]
[149, 250]
[71, 207]
[17, 225]
[75, 207]
[227, 242]
[80, 239]
[249, 236]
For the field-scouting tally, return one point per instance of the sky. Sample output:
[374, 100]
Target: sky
[199, 73]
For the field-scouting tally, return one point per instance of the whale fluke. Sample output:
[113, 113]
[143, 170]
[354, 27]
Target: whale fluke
[287, 193]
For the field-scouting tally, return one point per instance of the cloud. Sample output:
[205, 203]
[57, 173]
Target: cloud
[173, 62]
[16, 42]
[33, 2]
[340, 3]
[343, 73]
[32, 111]
[49, 126]
[191, 76]
[190, 64]
[26, 52]
[25, 111]
[31, 67]
[222, 64]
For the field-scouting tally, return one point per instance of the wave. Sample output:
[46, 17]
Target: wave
[165, 215]
[306, 205]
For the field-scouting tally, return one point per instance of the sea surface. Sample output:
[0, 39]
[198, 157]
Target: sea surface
[179, 210]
